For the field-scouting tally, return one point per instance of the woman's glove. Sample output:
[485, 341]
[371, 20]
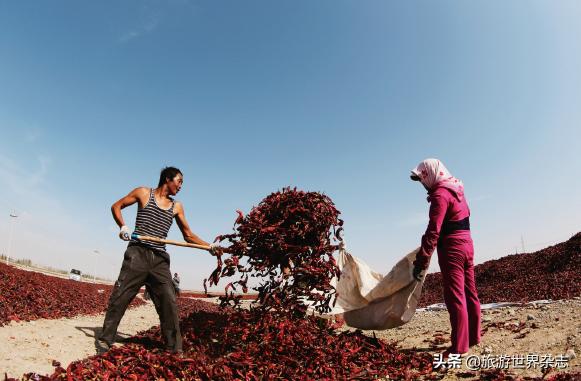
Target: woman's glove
[417, 273]
[420, 265]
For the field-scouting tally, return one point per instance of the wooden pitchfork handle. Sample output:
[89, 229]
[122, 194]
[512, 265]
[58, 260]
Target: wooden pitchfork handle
[169, 242]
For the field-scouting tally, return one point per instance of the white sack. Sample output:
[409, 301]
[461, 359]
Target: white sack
[369, 300]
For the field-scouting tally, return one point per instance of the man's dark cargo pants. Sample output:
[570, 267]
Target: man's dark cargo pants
[142, 265]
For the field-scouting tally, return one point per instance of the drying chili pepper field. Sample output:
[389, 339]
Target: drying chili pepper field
[27, 295]
[227, 344]
[286, 244]
[222, 344]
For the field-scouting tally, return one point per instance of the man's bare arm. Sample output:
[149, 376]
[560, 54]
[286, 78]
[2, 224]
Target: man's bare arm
[136, 195]
[189, 236]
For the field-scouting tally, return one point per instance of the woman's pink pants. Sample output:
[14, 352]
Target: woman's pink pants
[456, 259]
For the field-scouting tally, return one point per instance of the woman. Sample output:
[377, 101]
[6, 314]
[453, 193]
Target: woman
[449, 230]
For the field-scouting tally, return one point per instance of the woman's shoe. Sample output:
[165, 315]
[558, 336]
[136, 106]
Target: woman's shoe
[447, 354]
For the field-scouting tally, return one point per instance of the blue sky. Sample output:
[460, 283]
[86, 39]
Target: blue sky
[247, 97]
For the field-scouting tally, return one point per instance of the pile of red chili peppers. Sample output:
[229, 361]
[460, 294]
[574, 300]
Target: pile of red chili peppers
[28, 295]
[287, 243]
[228, 344]
[550, 273]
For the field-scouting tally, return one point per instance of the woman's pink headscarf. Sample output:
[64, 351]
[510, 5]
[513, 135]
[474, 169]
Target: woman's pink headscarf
[433, 174]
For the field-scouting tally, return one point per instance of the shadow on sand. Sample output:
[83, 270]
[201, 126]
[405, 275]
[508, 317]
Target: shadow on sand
[102, 347]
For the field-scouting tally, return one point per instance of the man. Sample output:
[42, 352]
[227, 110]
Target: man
[148, 262]
[176, 283]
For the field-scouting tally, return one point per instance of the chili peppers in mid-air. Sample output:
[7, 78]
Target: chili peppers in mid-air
[287, 243]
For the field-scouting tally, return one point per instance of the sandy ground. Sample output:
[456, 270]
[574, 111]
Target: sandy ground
[548, 329]
[32, 346]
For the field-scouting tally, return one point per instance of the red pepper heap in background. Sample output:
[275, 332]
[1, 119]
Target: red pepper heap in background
[550, 273]
[28, 295]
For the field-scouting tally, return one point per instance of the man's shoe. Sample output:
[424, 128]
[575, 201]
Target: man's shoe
[104, 345]
[172, 351]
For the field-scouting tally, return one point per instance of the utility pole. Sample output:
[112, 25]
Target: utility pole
[13, 217]
[96, 252]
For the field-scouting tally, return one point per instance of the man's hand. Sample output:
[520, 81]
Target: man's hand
[124, 233]
[215, 248]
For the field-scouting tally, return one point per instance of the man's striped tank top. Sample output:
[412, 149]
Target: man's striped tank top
[153, 221]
